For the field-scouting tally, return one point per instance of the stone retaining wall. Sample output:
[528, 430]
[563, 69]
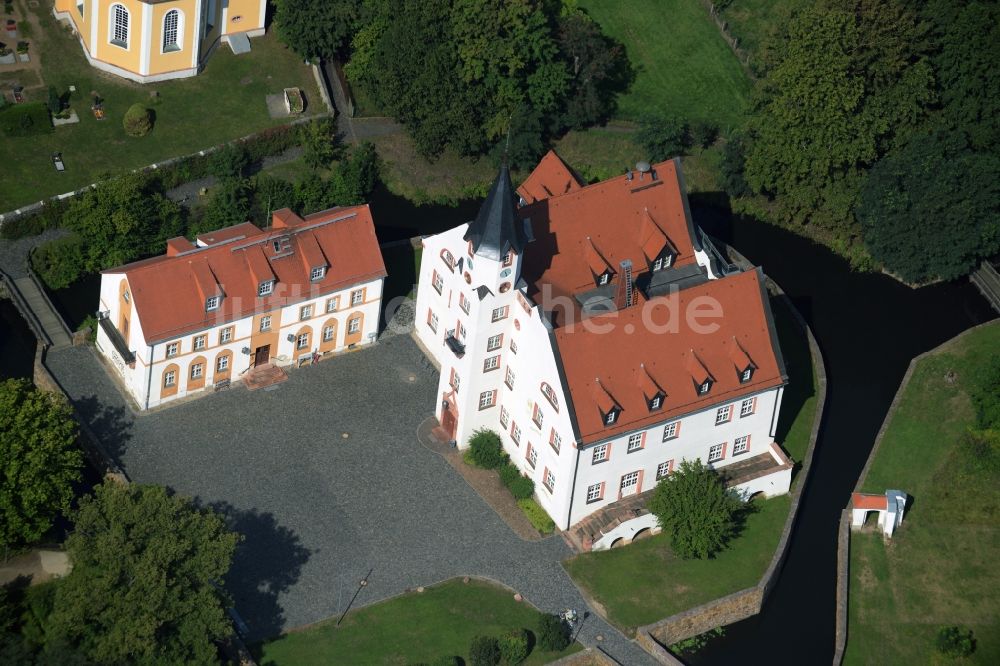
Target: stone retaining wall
[745, 603]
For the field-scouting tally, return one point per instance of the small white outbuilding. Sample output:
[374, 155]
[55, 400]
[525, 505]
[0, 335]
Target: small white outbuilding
[890, 508]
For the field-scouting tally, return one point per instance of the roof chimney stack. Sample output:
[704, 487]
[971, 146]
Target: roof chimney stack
[625, 294]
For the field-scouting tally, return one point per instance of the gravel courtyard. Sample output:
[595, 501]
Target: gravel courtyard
[320, 510]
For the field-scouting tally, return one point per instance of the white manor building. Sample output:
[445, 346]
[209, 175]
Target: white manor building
[241, 301]
[566, 318]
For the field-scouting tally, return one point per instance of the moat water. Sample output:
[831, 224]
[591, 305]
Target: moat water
[868, 326]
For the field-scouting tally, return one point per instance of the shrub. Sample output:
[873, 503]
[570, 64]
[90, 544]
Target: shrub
[26, 119]
[694, 507]
[89, 323]
[138, 120]
[980, 450]
[522, 488]
[514, 647]
[985, 392]
[484, 651]
[319, 143]
[448, 661]
[229, 162]
[663, 137]
[537, 516]
[731, 169]
[487, 451]
[59, 262]
[54, 103]
[509, 473]
[703, 133]
[271, 142]
[955, 642]
[33, 224]
[553, 633]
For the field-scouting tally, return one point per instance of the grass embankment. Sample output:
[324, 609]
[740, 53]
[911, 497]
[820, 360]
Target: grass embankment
[939, 569]
[645, 582]
[753, 22]
[413, 628]
[224, 102]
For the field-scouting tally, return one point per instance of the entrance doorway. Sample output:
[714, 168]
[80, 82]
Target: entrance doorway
[262, 355]
[449, 421]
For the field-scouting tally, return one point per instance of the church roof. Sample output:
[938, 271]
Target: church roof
[497, 227]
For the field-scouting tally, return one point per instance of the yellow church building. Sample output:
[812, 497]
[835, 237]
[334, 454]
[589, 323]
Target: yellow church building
[155, 40]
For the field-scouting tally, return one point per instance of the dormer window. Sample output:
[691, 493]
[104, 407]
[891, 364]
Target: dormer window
[665, 260]
[317, 273]
[705, 387]
[656, 402]
[265, 288]
[612, 417]
[746, 375]
[604, 278]
[212, 303]
[276, 245]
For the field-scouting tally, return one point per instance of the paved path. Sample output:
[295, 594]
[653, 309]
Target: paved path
[41, 307]
[318, 509]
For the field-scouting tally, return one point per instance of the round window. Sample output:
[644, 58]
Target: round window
[505, 287]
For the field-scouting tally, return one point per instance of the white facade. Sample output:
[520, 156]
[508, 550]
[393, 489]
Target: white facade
[145, 379]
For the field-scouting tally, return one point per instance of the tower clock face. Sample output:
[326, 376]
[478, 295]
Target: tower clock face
[505, 273]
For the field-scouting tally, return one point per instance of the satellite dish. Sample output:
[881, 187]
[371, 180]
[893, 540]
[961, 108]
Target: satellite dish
[642, 167]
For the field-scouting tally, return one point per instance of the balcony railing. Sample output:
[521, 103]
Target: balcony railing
[117, 341]
[454, 344]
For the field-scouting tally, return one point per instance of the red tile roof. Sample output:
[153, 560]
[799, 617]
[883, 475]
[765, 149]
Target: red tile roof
[605, 222]
[602, 368]
[169, 291]
[550, 178]
[869, 502]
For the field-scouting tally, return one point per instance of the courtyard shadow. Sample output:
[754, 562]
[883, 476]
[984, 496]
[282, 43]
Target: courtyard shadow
[268, 561]
[112, 425]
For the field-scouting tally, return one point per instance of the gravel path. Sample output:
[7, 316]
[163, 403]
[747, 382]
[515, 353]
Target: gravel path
[14, 253]
[318, 509]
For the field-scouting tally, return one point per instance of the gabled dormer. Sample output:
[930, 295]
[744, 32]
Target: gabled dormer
[600, 268]
[701, 378]
[742, 362]
[609, 407]
[652, 391]
[313, 259]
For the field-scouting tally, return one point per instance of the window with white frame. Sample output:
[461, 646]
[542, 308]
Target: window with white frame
[630, 484]
[225, 335]
[328, 333]
[487, 399]
[600, 454]
[509, 379]
[635, 442]
[265, 288]
[595, 493]
[537, 417]
[663, 262]
[500, 313]
[532, 456]
[604, 277]
[610, 417]
[332, 304]
[550, 395]
[656, 402]
[461, 331]
[81, 9]
[550, 480]
[305, 312]
[747, 407]
[663, 469]
[716, 452]
[222, 364]
[317, 273]
[302, 341]
[508, 259]
[491, 363]
[494, 343]
[197, 370]
[172, 349]
[169, 378]
[199, 342]
[722, 414]
[705, 387]
[463, 303]
[555, 441]
[504, 417]
[357, 297]
[432, 320]
[746, 375]
[126, 296]
[449, 259]
[212, 303]
[455, 379]
[741, 445]
[265, 323]
[671, 430]
[354, 325]
[513, 347]
[171, 31]
[437, 282]
[515, 432]
[119, 26]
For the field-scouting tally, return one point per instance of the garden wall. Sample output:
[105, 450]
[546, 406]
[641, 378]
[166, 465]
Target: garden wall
[745, 603]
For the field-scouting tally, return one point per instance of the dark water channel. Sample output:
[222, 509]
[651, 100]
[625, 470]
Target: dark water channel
[17, 344]
[869, 327]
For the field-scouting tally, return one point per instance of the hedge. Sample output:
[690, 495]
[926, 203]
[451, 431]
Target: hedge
[26, 119]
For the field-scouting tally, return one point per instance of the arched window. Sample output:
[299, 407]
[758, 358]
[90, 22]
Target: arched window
[550, 395]
[449, 259]
[172, 31]
[119, 26]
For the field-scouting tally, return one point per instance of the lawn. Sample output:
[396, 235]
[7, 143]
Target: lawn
[940, 567]
[754, 22]
[224, 102]
[683, 65]
[667, 584]
[414, 628]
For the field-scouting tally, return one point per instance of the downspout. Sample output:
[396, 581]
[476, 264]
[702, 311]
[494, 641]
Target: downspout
[572, 492]
[149, 374]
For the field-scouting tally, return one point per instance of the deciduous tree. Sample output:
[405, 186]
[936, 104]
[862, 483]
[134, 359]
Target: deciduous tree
[317, 28]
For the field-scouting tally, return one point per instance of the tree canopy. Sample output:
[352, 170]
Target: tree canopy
[39, 460]
[696, 510]
[146, 581]
[316, 28]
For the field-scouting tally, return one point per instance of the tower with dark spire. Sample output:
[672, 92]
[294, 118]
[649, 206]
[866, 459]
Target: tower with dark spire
[497, 228]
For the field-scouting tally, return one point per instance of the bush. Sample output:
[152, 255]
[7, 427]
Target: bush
[49, 217]
[731, 169]
[703, 133]
[319, 143]
[26, 119]
[981, 451]
[955, 642]
[509, 473]
[55, 103]
[985, 392]
[271, 142]
[553, 633]
[229, 162]
[539, 519]
[138, 120]
[522, 488]
[487, 451]
[448, 661]
[59, 262]
[514, 646]
[89, 323]
[662, 137]
[484, 651]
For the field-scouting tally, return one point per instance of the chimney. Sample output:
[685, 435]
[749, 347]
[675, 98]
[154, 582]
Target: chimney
[625, 296]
